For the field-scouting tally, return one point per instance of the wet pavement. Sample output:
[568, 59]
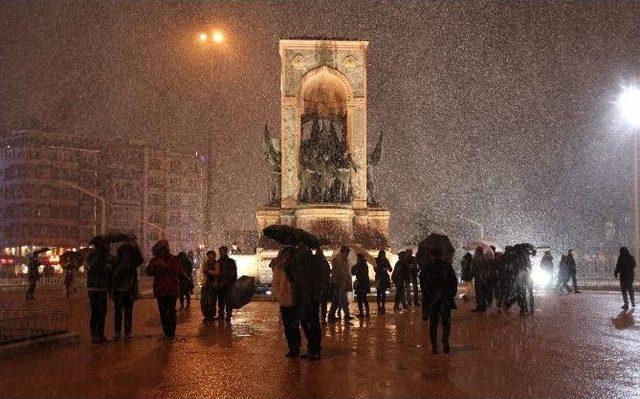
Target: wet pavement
[574, 346]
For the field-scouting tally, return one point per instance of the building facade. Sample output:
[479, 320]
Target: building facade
[54, 189]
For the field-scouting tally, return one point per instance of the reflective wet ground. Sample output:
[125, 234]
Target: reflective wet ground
[575, 346]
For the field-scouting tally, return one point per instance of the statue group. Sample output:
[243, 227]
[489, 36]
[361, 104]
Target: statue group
[325, 163]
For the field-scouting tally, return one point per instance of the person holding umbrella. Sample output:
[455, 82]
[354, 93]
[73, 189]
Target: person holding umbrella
[99, 269]
[124, 290]
[307, 283]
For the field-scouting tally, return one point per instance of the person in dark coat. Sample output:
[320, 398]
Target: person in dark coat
[400, 278]
[383, 281]
[209, 290]
[563, 275]
[228, 277]
[166, 270]
[99, 270]
[440, 288]
[571, 267]
[479, 267]
[624, 267]
[186, 280]
[362, 286]
[506, 273]
[412, 281]
[124, 289]
[523, 282]
[325, 276]
[307, 283]
[33, 275]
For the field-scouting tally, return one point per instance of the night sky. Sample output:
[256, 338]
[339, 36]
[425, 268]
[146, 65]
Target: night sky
[503, 113]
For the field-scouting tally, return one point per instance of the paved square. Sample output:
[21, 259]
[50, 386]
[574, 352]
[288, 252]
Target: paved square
[573, 347]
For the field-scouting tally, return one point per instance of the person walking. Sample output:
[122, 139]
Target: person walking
[624, 267]
[400, 278]
[228, 277]
[412, 281]
[571, 268]
[307, 284]
[33, 275]
[546, 264]
[341, 279]
[323, 265]
[99, 269]
[282, 286]
[209, 290]
[166, 270]
[563, 276]
[124, 289]
[440, 288]
[383, 281]
[362, 286]
[186, 280]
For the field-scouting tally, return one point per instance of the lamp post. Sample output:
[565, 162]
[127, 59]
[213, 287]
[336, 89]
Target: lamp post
[629, 104]
[206, 40]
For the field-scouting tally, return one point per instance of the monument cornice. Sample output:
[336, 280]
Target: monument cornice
[330, 44]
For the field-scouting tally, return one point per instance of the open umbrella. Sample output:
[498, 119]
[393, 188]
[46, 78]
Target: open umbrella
[485, 246]
[112, 237]
[287, 235]
[433, 240]
[71, 260]
[40, 251]
[242, 292]
[357, 248]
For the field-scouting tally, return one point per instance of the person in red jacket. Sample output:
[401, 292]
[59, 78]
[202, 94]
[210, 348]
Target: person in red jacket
[166, 270]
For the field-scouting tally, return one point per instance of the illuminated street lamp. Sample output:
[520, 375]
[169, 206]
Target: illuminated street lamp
[629, 105]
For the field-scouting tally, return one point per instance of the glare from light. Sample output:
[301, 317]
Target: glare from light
[540, 277]
[268, 292]
[217, 37]
[203, 37]
[629, 104]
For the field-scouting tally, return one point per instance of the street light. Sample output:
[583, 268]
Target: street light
[629, 105]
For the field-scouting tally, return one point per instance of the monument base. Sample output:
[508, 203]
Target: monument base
[335, 224]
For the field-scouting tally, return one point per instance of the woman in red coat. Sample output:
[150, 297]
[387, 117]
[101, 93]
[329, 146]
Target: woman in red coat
[166, 270]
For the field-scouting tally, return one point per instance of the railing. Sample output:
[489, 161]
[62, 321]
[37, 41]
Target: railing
[16, 326]
[78, 281]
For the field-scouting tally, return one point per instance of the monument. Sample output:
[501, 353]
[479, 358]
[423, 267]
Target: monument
[321, 179]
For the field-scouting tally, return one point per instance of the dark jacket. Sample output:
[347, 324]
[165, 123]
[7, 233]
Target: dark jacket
[571, 264]
[400, 275]
[305, 276]
[228, 272]
[99, 269]
[125, 271]
[465, 268]
[624, 267]
[325, 272]
[362, 284]
[440, 285]
[32, 265]
[166, 272]
[383, 267]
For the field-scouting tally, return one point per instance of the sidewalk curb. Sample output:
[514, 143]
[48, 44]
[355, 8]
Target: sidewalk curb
[32, 345]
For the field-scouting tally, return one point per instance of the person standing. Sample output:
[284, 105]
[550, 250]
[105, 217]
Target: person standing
[124, 290]
[466, 274]
[440, 288]
[209, 290]
[341, 279]
[400, 278]
[412, 281]
[563, 275]
[33, 275]
[166, 270]
[99, 269]
[282, 286]
[546, 264]
[322, 264]
[478, 266]
[186, 280]
[571, 268]
[383, 281]
[624, 267]
[307, 286]
[362, 286]
[228, 277]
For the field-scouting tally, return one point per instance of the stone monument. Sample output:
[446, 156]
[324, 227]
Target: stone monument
[320, 177]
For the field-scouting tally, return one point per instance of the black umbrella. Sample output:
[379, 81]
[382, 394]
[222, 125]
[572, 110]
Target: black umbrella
[41, 251]
[287, 235]
[112, 237]
[242, 292]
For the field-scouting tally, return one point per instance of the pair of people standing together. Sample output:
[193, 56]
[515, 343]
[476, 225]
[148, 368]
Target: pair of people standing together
[220, 276]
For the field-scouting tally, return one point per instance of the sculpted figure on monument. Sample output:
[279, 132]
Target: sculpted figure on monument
[373, 159]
[272, 152]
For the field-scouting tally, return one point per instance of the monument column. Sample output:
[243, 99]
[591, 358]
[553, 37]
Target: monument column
[358, 125]
[290, 149]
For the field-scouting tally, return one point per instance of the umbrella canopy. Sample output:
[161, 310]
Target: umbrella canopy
[485, 246]
[71, 260]
[357, 248]
[242, 292]
[440, 241]
[112, 237]
[40, 251]
[287, 235]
